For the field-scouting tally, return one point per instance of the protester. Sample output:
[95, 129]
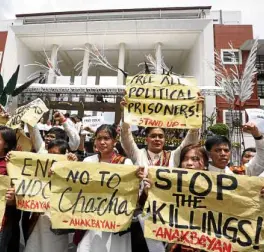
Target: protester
[10, 222]
[57, 124]
[77, 122]
[219, 150]
[41, 127]
[55, 133]
[248, 154]
[152, 155]
[40, 236]
[192, 157]
[48, 125]
[95, 240]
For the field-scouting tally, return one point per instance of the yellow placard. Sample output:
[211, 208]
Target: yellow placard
[4, 185]
[29, 173]
[30, 113]
[96, 196]
[208, 211]
[23, 141]
[162, 101]
[3, 120]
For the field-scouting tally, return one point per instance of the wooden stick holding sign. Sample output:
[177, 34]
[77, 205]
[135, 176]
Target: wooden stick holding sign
[162, 101]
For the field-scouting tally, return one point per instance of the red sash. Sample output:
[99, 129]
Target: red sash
[164, 159]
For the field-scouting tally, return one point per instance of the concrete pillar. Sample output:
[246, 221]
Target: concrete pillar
[158, 58]
[121, 64]
[53, 60]
[72, 77]
[97, 77]
[85, 67]
[97, 81]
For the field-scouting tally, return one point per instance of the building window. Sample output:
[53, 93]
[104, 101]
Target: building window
[231, 56]
[233, 116]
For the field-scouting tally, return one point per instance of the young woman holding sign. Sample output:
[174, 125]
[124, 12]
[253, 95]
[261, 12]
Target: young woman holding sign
[99, 241]
[192, 157]
[40, 237]
[9, 223]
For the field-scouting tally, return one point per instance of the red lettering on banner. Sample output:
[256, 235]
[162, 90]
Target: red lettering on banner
[32, 205]
[151, 122]
[172, 124]
[92, 223]
[192, 238]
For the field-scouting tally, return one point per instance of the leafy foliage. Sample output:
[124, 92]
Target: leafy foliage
[11, 84]
[10, 87]
[219, 129]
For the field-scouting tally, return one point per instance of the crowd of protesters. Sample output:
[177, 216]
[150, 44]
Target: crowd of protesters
[64, 136]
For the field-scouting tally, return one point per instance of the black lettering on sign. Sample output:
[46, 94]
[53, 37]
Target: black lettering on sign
[193, 185]
[222, 180]
[167, 181]
[33, 187]
[43, 166]
[179, 178]
[100, 206]
[83, 177]
[116, 178]
[103, 176]
[156, 212]
[27, 162]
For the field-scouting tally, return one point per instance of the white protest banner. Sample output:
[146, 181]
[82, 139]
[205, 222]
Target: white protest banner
[93, 121]
[256, 116]
[30, 113]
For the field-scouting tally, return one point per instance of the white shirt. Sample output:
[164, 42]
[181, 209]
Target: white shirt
[154, 157]
[226, 170]
[140, 156]
[255, 167]
[95, 159]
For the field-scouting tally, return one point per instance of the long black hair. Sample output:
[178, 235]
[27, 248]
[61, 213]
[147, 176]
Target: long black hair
[109, 129]
[9, 137]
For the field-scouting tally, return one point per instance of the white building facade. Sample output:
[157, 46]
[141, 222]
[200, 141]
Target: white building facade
[183, 36]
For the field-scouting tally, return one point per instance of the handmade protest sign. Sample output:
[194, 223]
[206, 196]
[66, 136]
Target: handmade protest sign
[256, 116]
[4, 185]
[162, 101]
[29, 173]
[208, 211]
[93, 196]
[30, 113]
[93, 121]
[3, 120]
[23, 141]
